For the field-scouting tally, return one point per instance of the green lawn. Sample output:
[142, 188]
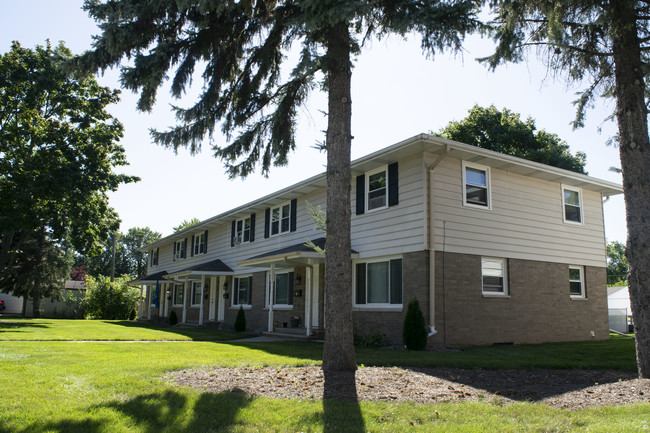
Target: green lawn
[69, 386]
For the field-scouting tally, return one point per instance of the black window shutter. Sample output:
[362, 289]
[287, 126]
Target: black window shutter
[192, 249]
[290, 297]
[393, 185]
[174, 252]
[252, 235]
[150, 257]
[361, 194]
[184, 252]
[157, 255]
[232, 234]
[361, 283]
[294, 213]
[205, 244]
[267, 222]
[235, 292]
[396, 281]
[250, 290]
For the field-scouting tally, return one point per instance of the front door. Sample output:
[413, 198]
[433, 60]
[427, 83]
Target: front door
[222, 302]
[213, 298]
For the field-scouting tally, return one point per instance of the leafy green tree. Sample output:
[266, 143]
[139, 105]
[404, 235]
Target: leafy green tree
[616, 263]
[186, 224]
[58, 147]
[134, 239]
[605, 44]
[504, 131]
[242, 47]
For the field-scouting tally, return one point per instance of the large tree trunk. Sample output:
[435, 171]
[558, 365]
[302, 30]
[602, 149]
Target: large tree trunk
[338, 351]
[36, 299]
[634, 149]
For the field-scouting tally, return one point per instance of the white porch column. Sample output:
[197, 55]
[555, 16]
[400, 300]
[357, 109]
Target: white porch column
[184, 301]
[308, 298]
[213, 298]
[271, 296]
[202, 290]
[148, 302]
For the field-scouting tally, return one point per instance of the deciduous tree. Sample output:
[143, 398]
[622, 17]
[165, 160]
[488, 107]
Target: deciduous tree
[58, 147]
[605, 44]
[504, 131]
[242, 46]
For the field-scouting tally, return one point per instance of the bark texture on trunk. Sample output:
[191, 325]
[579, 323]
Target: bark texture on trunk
[634, 149]
[338, 351]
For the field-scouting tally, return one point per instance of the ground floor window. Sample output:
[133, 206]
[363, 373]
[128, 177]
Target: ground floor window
[283, 290]
[241, 291]
[196, 293]
[576, 282]
[494, 276]
[379, 282]
[178, 294]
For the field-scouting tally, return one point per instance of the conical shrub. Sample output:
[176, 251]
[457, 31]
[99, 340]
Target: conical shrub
[414, 333]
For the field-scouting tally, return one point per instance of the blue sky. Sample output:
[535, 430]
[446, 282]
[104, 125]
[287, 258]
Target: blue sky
[397, 92]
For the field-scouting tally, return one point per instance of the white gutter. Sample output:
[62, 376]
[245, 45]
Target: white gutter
[431, 239]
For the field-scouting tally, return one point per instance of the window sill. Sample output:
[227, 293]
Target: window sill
[244, 306]
[578, 298]
[496, 295]
[378, 307]
[477, 206]
[279, 307]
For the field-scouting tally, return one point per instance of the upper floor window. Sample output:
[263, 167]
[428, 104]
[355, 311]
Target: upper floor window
[476, 185]
[572, 203]
[280, 219]
[576, 282]
[379, 282]
[200, 243]
[180, 249]
[154, 256]
[378, 189]
[494, 276]
[243, 231]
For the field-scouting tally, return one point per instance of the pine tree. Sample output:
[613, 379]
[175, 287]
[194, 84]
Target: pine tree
[242, 45]
[414, 332]
[606, 44]
[240, 320]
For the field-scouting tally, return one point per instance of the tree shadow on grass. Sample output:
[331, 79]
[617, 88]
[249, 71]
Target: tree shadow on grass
[341, 410]
[19, 326]
[194, 333]
[152, 413]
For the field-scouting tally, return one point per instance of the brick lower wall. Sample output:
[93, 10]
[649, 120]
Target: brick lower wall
[538, 307]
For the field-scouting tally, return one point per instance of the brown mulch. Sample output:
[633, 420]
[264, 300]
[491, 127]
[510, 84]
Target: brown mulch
[569, 389]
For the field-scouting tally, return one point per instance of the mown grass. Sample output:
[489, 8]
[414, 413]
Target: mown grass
[65, 386]
[17, 329]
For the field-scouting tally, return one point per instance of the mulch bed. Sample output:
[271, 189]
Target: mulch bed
[567, 389]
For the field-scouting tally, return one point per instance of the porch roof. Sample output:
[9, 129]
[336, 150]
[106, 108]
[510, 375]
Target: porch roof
[297, 254]
[214, 267]
[150, 278]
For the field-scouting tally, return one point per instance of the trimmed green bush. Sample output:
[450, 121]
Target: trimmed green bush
[109, 300]
[240, 320]
[414, 333]
[173, 318]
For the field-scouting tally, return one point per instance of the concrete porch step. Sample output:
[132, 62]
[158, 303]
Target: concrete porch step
[296, 333]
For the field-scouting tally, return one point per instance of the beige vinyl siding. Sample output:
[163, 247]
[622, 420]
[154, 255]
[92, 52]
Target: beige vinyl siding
[396, 229]
[525, 222]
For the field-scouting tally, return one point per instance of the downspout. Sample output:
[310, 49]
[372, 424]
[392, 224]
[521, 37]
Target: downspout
[429, 229]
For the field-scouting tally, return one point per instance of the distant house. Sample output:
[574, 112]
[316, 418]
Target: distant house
[66, 308]
[497, 249]
[620, 309]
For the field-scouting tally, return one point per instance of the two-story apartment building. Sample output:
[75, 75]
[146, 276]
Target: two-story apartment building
[496, 249]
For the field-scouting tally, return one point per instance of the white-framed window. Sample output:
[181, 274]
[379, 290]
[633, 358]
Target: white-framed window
[378, 283]
[243, 231]
[377, 189]
[241, 290]
[576, 282]
[476, 186]
[199, 243]
[177, 297]
[154, 256]
[283, 289]
[494, 274]
[196, 293]
[572, 205]
[281, 219]
[180, 249]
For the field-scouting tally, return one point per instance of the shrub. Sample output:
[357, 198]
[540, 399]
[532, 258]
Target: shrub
[108, 300]
[414, 333]
[240, 320]
[173, 318]
[374, 340]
